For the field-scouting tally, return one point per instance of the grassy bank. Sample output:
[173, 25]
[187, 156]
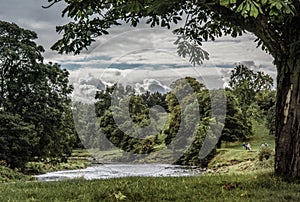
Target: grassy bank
[78, 160]
[9, 175]
[248, 187]
[233, 161]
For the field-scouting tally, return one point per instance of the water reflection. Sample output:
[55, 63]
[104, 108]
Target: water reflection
[121, 170]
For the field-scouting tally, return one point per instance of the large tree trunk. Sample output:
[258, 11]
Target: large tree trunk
[287, 157]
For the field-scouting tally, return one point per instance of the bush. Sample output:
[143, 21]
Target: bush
[35, 168]
[265, 153]
[10, 175]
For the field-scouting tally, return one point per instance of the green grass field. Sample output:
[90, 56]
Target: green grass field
[247, 187]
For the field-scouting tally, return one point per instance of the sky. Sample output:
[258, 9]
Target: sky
[143, 57]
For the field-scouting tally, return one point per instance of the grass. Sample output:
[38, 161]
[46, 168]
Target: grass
[239, 161]
[232, 158]
[261, 135]
[78, 160]
[9, 175]
[247, 187]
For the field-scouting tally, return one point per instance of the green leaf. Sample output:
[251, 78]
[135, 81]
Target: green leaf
[227, 2]
[254, 11]
[247, 6]
[278, 5]
[224, 2]
[120, 196]
[264, 2]
[240, 7]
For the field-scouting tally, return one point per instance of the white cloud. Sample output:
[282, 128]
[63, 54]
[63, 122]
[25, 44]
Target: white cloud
[151, 85]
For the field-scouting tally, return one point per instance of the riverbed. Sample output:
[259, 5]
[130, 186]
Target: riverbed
[106, 171]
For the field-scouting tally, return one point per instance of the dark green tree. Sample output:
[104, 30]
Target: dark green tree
[119, 126]
[17, 140]
[275, 23]
[271, 120]
[34, 102]
[266, 102]
[190, 112]
[246, 84]
[266, 99]
[233, 126]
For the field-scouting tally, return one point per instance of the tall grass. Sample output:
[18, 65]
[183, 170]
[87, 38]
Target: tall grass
[9, 175]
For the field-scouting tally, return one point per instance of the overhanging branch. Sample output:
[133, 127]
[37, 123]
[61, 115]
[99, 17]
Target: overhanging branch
[51, 4]
[258, 26]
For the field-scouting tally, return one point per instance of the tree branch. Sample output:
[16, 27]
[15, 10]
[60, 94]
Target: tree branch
[258, 26]
[51, 4]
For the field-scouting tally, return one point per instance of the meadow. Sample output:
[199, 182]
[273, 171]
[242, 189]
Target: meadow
[261, 186]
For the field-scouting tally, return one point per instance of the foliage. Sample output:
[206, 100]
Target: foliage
[249, 87]
[35, 116]
[246, 84]
[126, 131]
[265, 153]
[265, 100]
[17, 141]
[9, 175]
[271, 120]
[234, 128]
[187, 100]
[204, 20]
[133, 122]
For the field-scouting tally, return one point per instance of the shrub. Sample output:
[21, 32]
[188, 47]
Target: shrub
[265, 153]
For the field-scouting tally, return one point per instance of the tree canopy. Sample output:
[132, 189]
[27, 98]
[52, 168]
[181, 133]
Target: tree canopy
[205, 20]
[34, 101]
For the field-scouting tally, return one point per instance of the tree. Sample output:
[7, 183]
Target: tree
[275, 23]
[271, 120]
[246, 85]
[234, 127]
[266, 101]
[17, 140]
[190, 113]
[34, 101]
[127, 131]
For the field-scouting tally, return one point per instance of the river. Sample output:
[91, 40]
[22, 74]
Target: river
[106, 171]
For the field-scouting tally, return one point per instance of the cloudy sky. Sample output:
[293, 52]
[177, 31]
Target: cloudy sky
[143, 57]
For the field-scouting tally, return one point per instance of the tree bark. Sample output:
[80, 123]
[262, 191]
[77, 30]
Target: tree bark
[287, 157]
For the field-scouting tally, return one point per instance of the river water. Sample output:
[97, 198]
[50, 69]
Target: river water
[121, 170]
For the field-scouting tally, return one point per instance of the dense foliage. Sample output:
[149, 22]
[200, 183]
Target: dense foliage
[247, 85]
[35, 115]
[132, 122]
